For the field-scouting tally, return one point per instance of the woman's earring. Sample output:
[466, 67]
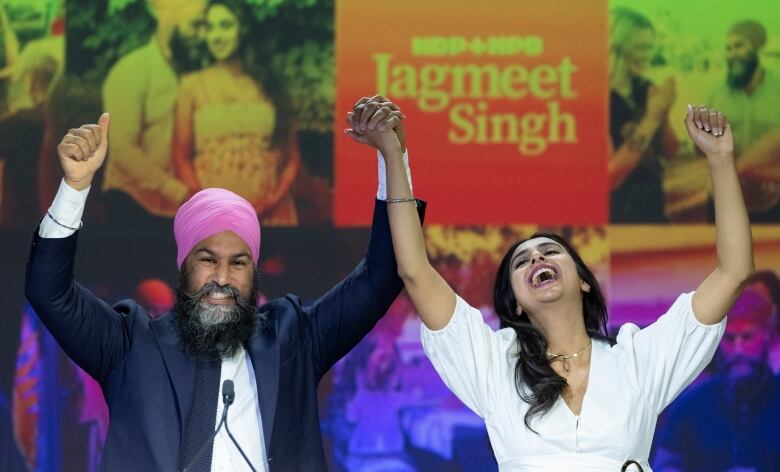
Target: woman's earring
[585, 287]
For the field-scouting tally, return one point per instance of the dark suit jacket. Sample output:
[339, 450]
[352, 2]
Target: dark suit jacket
[148, 379]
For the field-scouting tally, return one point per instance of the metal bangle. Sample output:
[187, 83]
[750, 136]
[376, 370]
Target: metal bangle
[81, 223]
[401, 200]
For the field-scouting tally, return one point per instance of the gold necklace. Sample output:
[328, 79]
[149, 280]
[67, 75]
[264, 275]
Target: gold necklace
[567, 359]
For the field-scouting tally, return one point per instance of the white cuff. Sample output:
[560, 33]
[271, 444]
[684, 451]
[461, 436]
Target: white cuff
[381, 192]
[67, 208]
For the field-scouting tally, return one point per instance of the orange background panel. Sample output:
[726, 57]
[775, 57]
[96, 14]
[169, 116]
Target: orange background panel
[479, 183]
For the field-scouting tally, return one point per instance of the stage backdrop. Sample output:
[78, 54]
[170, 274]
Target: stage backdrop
[518, 116]
[501, 94]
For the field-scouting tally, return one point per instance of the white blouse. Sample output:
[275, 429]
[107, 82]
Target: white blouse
[629, 385]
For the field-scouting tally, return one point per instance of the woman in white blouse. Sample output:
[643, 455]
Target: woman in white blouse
[555, 394]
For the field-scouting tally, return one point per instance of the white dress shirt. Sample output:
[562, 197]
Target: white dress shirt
[67, 208]
[244, 419]
[381, 191]
[629, 385]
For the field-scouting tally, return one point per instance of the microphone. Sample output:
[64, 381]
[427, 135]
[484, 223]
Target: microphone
[228, 395]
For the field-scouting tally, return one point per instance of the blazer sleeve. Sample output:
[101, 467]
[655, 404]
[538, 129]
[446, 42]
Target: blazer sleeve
[345, 314]
[92, 333]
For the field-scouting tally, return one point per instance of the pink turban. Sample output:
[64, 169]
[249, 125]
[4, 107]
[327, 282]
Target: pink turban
[212, 211]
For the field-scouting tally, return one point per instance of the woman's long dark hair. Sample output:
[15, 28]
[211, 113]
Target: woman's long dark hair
[536, 381]
[256, 56]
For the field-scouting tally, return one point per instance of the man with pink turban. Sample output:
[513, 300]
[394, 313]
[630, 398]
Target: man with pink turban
[162, 377]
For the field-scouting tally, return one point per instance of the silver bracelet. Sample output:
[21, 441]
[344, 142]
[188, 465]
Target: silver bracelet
[401, 200]
[81, 223]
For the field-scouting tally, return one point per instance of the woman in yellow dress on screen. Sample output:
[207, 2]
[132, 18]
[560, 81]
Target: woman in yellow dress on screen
[230, 127]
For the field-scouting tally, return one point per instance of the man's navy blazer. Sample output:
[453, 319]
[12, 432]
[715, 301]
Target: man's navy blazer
[148, 380]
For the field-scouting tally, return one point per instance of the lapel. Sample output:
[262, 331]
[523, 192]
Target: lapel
[263, 349]
[180, 367]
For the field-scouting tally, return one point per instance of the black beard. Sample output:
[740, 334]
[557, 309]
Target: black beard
[188, 55]
[213, 332]
[740, 80]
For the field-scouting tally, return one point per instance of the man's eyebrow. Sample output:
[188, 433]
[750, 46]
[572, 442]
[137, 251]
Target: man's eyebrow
[233, 256]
